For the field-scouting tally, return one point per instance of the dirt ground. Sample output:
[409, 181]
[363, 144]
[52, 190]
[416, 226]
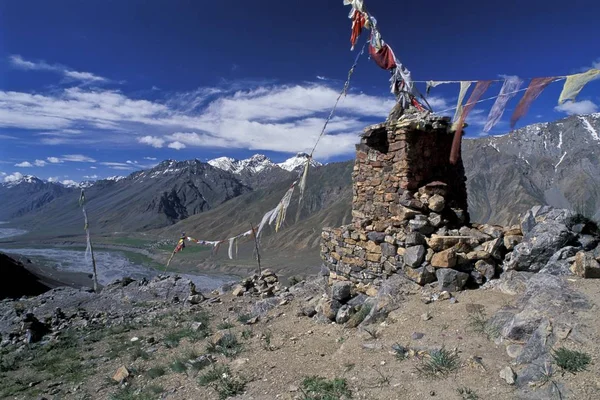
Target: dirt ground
[282, 349]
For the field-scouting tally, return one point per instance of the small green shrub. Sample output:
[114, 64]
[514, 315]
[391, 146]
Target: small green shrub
[570, 360]
[478, 322]
[318, 388]
[229, 346]
[247, 333]
[244, 318]
[156, 372]
[225, 325]
[178, 366]
[439, 363]
[222, 381]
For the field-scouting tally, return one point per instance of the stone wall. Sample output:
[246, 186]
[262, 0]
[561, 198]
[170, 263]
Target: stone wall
[410, 212]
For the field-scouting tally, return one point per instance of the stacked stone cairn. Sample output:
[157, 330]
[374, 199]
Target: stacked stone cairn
[409, 213]
[266, 284]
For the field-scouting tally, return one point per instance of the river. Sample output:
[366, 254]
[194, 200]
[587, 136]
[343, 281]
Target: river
[10, 232]
[111, 265]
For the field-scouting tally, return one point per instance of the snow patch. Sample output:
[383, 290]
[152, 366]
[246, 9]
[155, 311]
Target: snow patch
[560, 140]
[590, 128]
[560, 161]
[299, 160]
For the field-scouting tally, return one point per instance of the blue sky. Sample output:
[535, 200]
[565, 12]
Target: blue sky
[99, 88]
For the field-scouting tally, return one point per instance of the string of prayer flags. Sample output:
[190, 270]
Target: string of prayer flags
[384, 57]
[535, 88]
[509, 90]
[478, 91]
[574, 84]
[433, 84]
[464, 86]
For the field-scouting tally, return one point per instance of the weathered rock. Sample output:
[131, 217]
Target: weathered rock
[436, 203]
[510, 241]
[388, 250]
[421, 226]
[220, 338]
[494, 247]
[588, 242]
[492, 230]
[508, 375]
[414, 239]
[514, 350]
[435, 220]
[451, 280]
[344, 313]
[560, 262]
[586, 266]
[308, 310]
[444, 259]
[538, 246]
[476, 255]
[357, 300]
[238, 290]
[414, 256]
[377, 237]
[486, 268]
[341, 291]
[121, 374]
[329, 308]
[263, 306]
[422, 275]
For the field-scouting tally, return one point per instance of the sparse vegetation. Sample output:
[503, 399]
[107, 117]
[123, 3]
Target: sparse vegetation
[570, 360]
[225, 325]
[467, 393]
[244, 318]
[478, 322]
[178, 366]
[439, 363]
[294, 280]
[318, 388]
[373, 333]
[229, 346]
[266, 337]
[156, 372]
[222, 381]
[173, 338]
[247, 333]
[400, 351]
[138, 352]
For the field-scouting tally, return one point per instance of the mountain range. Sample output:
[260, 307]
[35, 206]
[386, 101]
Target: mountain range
[554, 163]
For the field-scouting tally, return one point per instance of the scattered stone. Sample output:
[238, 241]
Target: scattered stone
[444, 259]
[426, 316]
[422, 275]
[329, 308]
[586, 266]
[195, 299]
[121, 374]
[414, 239]
[486, 268]
[417, 335]
[238, 290]
[514, 350]
[508, 375]
[451, 280]
[445, 295]
[414, 256]
[510, 241]
[344, 314]
[341, 291]
[436, 203]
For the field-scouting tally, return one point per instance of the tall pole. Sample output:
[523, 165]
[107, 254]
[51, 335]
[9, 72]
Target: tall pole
[256, 248]
[89, 247]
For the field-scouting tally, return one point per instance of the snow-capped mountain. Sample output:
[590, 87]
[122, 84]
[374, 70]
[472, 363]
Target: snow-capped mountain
[115, 178]
[255, 164]
[298, 161]
[17, 179]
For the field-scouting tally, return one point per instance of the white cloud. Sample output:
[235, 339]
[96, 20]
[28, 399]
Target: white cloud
[15, 176]
[176, 145]
[91, 176]
[53, 179]
[19, 62]
[150, 158]
[69, 182]
[40, 163]
[285, 118]
[117, 165]
[70, 158]
[152, 141]
[24, 164]
[577, 107]
[93, 168]
[321, 78]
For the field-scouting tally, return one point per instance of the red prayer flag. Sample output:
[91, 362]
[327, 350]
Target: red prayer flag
[535, 88]
[384, 57]
[479, 90]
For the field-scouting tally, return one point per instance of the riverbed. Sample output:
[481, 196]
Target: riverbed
[111, 265]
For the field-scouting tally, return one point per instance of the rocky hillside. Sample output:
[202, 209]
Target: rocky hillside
[550, 163]
[27, 195]
[557, 164]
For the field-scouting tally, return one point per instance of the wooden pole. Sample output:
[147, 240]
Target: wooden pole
[89, 239]
[256, 248]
